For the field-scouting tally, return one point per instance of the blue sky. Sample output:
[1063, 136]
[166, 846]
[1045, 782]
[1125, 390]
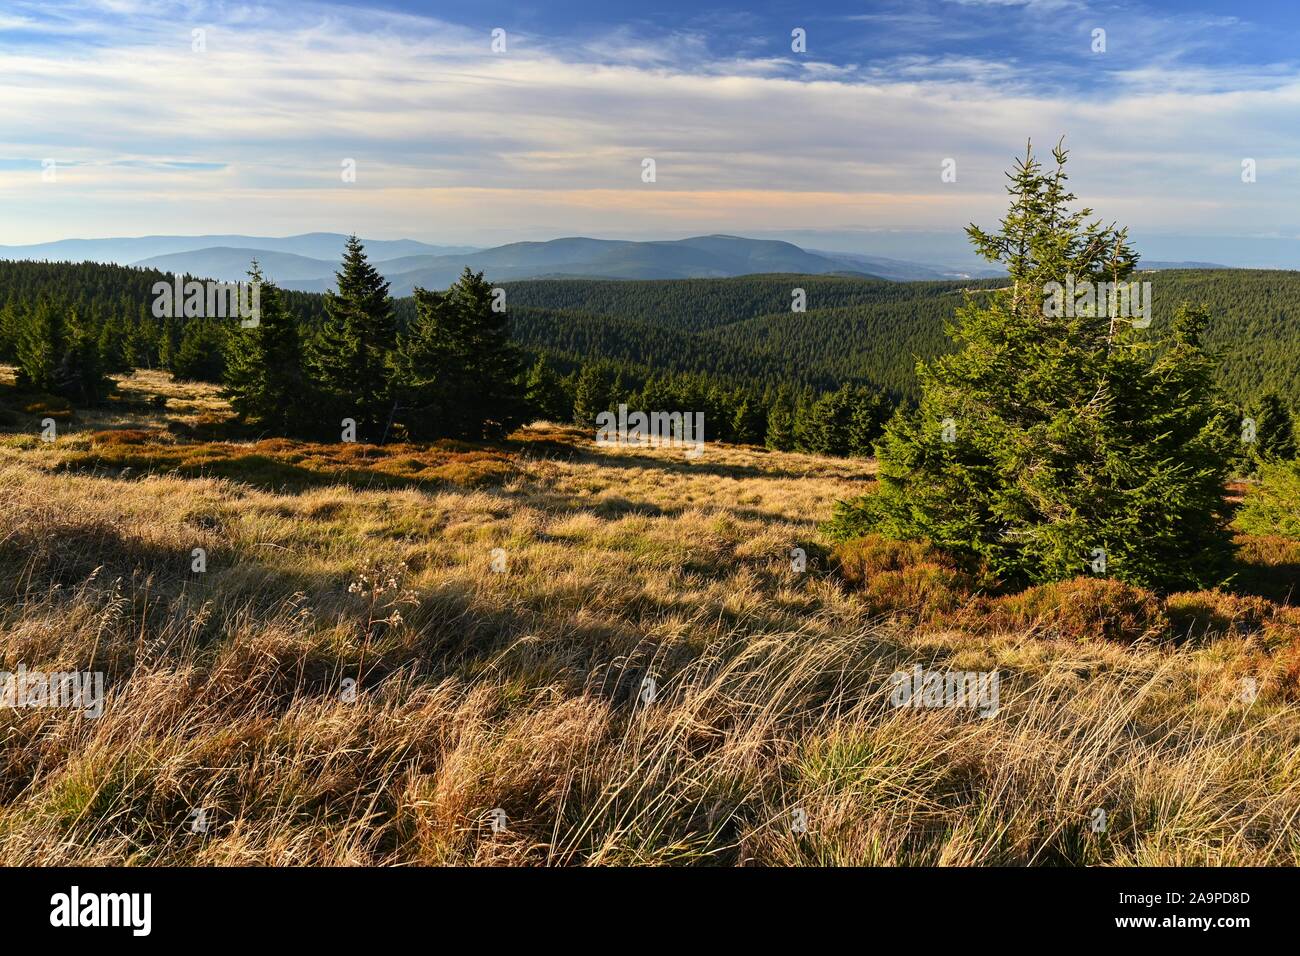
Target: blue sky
[112, 122]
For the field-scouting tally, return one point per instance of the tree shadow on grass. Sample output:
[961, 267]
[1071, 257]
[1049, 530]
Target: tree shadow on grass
[299, 628]
[1268, 566]
[283, 465]
[678, 463]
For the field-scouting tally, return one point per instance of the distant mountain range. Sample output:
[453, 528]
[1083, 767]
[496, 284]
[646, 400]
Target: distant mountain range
[308, 262]
[327, 246]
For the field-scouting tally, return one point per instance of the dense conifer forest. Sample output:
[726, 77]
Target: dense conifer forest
[736, 348]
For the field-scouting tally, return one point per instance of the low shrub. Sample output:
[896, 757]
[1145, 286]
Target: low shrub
[48, 405]
[1268, 565]
[126, 436]
[902, 577]
[1081, 609]
[1204, 614]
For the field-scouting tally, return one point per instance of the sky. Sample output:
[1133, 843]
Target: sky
[117, 118]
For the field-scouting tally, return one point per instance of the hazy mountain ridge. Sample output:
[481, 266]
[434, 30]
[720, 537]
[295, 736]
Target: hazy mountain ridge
[308, 262]
[231, 263]
[704, 257]
[140, 250]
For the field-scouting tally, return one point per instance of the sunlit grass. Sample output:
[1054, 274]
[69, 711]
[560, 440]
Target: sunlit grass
[522, 689]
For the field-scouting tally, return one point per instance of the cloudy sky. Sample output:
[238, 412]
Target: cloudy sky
[117, 118]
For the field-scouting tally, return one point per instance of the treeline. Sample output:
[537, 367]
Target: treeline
[874, 332]
[742, 330]
[441, 364]
[845, 422]
[702, 305]
[863, 331]
[310, 365]
[60, 308]
[739, 342]
[451, 372]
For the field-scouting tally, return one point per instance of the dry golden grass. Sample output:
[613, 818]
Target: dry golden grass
[522, 690]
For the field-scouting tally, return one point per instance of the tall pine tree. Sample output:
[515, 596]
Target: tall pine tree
[458, 374]
[58, 352]
[352, 354]
[78, 372]
[264, 365]
[1274, 438]
[38, 338]
[1051, 436]
[593, 395]
[545, 392]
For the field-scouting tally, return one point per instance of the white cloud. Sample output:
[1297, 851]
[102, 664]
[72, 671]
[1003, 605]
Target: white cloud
[453, 142]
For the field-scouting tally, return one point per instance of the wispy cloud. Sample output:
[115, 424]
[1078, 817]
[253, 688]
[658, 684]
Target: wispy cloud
[454, 142]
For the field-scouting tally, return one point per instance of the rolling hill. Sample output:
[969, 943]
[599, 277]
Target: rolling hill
[137, 250]
[232, 263]
[700, 257]
[307, 263]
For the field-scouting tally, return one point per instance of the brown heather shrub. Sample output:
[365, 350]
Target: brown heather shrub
[1212, 614]
[127, 436]
[1269, 565]
[205, 426]
[52, 405]
[58, 414]
[1286, 660]
[288, 463]
[909, 578]
[1284, 623]
[1081, 609]
[864, 558]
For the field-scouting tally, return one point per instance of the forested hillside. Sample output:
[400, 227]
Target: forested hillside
[742, 330]
[873, 331]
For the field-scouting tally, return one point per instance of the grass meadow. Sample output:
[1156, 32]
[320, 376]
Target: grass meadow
[388, 644]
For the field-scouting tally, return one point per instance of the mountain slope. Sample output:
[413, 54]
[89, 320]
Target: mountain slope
[698, 257]
[228, 263]
[518, 690]
[128, 251]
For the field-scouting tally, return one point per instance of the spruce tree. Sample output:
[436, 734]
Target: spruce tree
[200, 357]
[78, 374]
[112, 345]
[58, 352]
[9, 323]
[352, 353]
[39, 339]
[845, 422]
[457, 372]
[780, 424]
[591, 396]
[749, 423]
[142, 341]
[1051, 443]
[264, 365]
[1274, 438]
[168, 341]
[545, 393]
